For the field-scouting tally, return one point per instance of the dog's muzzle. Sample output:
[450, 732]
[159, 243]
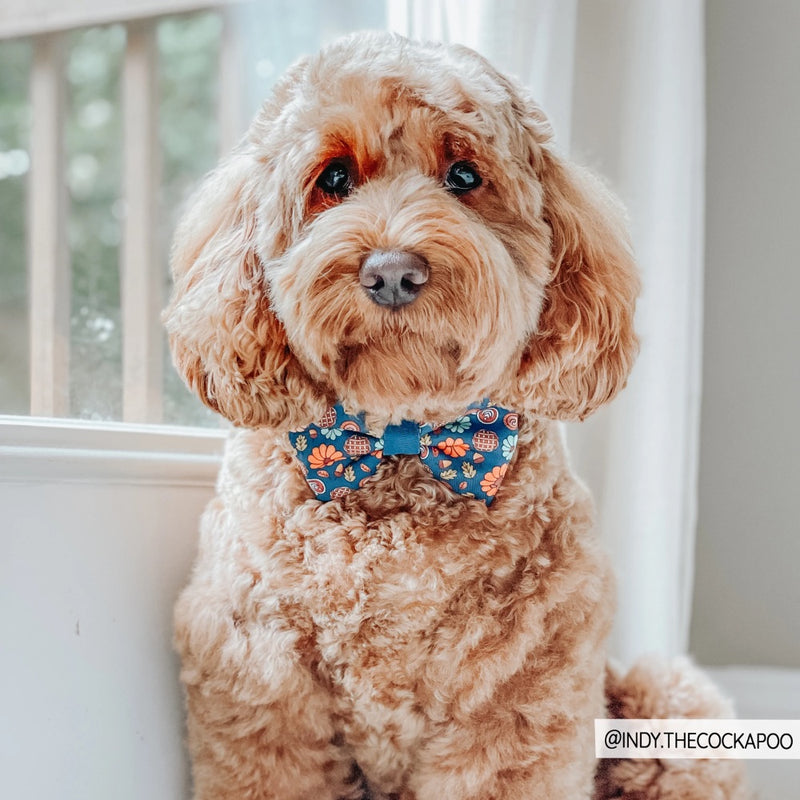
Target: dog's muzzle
[393, 278]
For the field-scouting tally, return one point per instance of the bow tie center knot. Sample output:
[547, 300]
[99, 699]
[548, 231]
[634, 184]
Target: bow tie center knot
[402, 439]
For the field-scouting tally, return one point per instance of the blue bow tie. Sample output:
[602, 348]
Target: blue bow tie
[470, 454]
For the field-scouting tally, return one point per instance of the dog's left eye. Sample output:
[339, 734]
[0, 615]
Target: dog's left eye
[335, 179]
[462, 177]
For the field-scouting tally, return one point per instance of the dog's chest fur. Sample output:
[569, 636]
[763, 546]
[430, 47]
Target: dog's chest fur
[398, 551]
[402, 599]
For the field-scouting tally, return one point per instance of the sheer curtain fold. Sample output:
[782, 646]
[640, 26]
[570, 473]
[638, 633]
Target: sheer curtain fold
[652, 134]
[531, 39]
[622, 82]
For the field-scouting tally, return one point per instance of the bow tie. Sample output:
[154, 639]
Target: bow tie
[471, 454]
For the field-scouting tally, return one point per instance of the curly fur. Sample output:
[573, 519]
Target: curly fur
[402, 642]
[655, 689]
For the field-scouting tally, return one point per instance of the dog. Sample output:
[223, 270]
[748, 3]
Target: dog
[395, 288]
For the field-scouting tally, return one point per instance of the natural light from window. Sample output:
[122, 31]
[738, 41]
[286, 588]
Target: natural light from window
[104, 131]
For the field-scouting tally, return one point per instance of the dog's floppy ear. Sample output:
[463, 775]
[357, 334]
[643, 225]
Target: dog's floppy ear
[584, 346]
[226, 342]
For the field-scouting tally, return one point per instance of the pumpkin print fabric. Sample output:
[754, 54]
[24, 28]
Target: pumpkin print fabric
[471, 454]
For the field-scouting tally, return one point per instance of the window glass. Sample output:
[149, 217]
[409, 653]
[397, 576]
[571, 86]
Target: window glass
[188, 49]
[15, 59]
[187, 55]
[93, 164]
[190, 64]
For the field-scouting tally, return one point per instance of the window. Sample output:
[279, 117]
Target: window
[106, 123]
[104, 130]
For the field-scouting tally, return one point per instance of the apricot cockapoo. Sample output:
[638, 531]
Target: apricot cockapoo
[395, 288]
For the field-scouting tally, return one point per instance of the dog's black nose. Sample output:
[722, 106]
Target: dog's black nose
[393, 277]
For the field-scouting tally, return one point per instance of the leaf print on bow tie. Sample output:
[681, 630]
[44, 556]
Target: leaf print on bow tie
[301, 443]
[324, 456]
[468, 470]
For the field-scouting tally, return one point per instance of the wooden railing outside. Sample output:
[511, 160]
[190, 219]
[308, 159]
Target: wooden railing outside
[254, 41]
[47, 23]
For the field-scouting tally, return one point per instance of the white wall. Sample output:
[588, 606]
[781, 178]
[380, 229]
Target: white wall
[92, 555]
[747, 591]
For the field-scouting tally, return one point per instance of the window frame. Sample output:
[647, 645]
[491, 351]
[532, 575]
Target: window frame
[21, 18]
[46, 24]
[35, 449]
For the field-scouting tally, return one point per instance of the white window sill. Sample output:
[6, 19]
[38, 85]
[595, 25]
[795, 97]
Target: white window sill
[34, 449]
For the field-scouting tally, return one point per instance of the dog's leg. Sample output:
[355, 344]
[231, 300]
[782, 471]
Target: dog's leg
[272, 751]
[661, 689]
[510, 749]
[521, 729]
[261, 726]
[253, 753]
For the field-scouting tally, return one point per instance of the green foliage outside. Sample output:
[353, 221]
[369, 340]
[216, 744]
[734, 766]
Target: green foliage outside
[93, 176]
[189, 57]
[15, 60]
[271, 36]
[188, 51]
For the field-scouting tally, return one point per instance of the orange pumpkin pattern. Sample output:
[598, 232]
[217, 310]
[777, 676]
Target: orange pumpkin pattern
[491, 480]
[324, 456]
[455, 448]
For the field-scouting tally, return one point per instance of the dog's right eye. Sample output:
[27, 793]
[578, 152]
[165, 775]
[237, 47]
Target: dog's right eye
[462, 177]
[335, 179]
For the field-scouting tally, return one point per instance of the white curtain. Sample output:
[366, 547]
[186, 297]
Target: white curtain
[622, 81]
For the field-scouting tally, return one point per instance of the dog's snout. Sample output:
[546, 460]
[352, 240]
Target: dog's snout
[393, 278]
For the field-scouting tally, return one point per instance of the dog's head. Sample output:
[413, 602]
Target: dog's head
[396, 233]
